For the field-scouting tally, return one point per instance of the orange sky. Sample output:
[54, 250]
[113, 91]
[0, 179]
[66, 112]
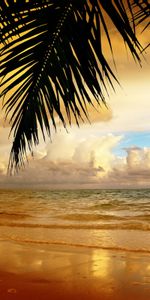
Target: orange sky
[92, 156]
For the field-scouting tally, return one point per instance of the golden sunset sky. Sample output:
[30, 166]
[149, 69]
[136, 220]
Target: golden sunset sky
[111, 152]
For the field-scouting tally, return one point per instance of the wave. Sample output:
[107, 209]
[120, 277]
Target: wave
[119, 206]
[107, 226]
[82, 217]
[13, 215]
[88, 217]
[78, 245]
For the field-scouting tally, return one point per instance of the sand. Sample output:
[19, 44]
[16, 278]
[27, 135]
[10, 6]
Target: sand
[42, 272]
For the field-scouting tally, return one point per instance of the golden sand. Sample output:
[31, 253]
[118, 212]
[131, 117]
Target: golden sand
[42, 272]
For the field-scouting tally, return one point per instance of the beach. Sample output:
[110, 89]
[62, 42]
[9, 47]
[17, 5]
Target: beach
[92, 245]
[63, 272]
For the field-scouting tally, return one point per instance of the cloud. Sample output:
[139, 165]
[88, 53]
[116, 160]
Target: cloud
[4, 149]
[133, 171]
[72, 161]
[69, 160]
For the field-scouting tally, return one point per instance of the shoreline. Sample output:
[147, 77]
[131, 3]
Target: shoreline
[42, 272]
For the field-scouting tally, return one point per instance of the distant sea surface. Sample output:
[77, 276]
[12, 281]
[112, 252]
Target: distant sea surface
[105, 219]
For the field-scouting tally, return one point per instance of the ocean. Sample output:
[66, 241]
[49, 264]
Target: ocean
[104, 219]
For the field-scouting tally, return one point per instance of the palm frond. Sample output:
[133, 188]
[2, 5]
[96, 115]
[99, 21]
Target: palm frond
[142, 14]
[53, 53]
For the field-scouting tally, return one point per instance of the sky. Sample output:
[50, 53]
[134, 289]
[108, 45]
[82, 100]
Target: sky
[112, 151]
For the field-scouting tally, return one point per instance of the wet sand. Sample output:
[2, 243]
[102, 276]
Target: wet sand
[42, 272]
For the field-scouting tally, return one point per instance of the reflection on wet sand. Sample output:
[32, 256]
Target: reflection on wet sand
[72, 273]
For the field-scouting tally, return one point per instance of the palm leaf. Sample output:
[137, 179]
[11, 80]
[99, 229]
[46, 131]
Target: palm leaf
[142, 13]
[53, 53]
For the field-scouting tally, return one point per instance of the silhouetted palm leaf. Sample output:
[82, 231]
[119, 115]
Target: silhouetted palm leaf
[53, 53]
[143, 12]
